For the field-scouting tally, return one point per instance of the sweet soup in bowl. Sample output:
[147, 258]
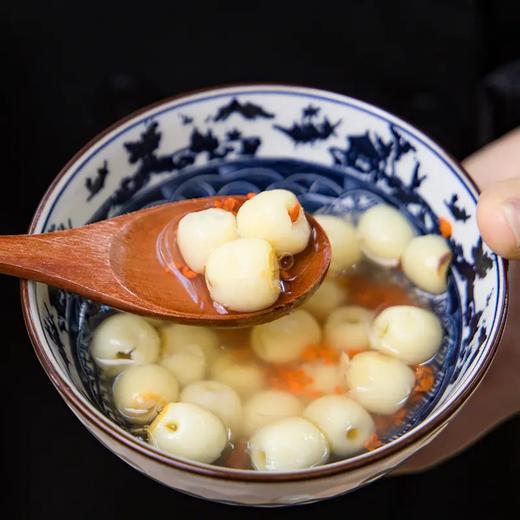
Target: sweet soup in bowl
[326, 382]
[281, 413]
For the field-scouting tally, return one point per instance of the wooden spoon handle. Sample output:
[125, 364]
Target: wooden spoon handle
[74, 259]
[78, 260]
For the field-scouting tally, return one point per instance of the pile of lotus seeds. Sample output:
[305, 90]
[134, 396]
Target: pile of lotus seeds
[299, 391]
[239, 255]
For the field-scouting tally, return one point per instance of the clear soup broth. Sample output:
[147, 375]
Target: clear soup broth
[323, 350]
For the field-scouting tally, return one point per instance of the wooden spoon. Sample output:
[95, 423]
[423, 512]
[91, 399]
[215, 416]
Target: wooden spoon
[132, 263]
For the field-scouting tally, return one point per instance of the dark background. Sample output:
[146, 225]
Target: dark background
[71, 68]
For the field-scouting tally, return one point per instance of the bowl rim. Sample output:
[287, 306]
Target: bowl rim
[87, 411]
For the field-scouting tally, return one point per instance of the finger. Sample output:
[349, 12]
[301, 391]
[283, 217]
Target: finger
[498, 216]
[497, 161]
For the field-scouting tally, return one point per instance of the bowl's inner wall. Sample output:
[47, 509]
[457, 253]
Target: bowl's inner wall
[336, 154]
[320, 189]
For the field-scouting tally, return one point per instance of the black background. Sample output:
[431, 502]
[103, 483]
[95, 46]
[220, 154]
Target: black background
[71, 68]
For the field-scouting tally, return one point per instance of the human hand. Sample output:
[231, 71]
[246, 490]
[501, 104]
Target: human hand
[496, 169]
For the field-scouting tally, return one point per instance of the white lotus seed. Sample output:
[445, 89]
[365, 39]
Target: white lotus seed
[288, 444]
[189, 431]
[141, 392]
[345, 423]
[243, 275]
[426, 261]
[380, 383]
[187, 363]
[284, 339]
[277, 217]
[328, 296]
[267, 407]
[201, 232]
[409, 333]
[326, 377]
[219, 399]
[348, 327]
[343, 241]
[246, 378]
[384, 233]
[154, 322]
[175, 335]
[123, 340]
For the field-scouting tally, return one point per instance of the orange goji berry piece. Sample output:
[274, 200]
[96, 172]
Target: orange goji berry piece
[373, 442]
[374, 295]
[330, 356]
[353, 351]
[250, 195]
[294, 387]
[382, 422]
[188, 273]
[229, 204]
[309, 354]
[415, 397]
[294, 213]
[445, 227]
[399, 417]
[425, 379]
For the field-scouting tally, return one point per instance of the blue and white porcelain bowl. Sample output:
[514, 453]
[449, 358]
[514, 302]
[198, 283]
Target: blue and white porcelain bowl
[337, 154]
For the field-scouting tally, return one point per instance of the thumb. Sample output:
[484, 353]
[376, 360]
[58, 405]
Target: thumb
[498, 216]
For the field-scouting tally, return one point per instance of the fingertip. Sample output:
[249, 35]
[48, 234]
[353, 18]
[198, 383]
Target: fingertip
[498, 217]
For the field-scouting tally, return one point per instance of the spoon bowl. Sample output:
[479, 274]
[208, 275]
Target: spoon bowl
[132, 263]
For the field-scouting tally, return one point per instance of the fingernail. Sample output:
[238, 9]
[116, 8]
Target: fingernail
[511, 209]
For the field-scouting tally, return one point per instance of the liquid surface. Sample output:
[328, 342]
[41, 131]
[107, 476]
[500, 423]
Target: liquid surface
[367, 285]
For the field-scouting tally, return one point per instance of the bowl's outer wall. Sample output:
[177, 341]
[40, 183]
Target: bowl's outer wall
[256, 493]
